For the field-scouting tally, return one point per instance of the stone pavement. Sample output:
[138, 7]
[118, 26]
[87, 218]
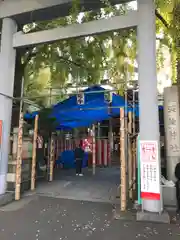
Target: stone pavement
[99, 188]
[77, 208]
[45, 218]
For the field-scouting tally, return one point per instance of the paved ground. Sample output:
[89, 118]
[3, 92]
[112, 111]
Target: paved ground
[99, 188]
[45, 218]
[60, 210]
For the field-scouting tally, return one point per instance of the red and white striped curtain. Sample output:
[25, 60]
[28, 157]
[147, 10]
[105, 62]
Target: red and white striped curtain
[103, 157]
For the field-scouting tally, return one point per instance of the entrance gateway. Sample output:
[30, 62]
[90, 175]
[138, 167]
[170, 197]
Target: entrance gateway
[16, 13]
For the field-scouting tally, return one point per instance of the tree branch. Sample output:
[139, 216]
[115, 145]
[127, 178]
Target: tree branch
[70, 62]
[30, 55]
[160, 17]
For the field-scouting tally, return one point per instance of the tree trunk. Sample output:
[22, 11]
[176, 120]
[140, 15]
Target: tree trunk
[19, 72]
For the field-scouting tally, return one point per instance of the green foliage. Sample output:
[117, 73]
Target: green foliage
[46, 124]
[84, 61]
[169, 24]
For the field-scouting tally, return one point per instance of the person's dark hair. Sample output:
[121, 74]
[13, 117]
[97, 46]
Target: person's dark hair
[177, 171]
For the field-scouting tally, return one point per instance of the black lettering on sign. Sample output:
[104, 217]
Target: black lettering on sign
[172, 133]
[172, 109]
[174, 147]
[172, 121]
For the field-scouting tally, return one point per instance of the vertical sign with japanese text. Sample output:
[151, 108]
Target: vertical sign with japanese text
[172, 131]
[149, 164]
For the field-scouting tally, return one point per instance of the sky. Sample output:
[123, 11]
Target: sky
[133, 4]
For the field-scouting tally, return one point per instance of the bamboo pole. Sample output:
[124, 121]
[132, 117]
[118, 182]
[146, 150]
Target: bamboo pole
[93, 150]
[126, 133]
[57, 148]
[134, 144]
[122, 161]
[110, 138]
[19, 159]
[52, 151]
[48, 161]
[33, 167]
[130, 162]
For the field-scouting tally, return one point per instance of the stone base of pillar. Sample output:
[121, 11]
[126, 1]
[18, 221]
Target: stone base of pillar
[2, 185]
[153, 217]
[6, 198]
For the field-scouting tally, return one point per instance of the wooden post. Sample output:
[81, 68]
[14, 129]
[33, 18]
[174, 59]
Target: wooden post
[134, 164]
[33, 167]
[52, 151]
[134, 144]
[57, 147]
[57, 150]
[122, 161]
[130, 162]
[93, 150]
[48, 158]
[19, 158]
[110, 138]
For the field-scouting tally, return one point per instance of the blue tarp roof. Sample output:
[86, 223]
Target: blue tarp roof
[72, 101]
[69, 114]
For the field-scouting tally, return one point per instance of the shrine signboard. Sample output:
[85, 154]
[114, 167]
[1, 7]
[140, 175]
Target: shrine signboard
[149, 164]
[172, 129]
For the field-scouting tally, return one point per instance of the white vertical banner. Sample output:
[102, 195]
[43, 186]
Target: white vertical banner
[150, 175]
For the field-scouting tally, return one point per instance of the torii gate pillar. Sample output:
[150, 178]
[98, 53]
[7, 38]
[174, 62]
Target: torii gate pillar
[7, 72]
[148, 94]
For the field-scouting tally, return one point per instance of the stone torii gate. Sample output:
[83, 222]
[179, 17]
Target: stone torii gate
[15, 13]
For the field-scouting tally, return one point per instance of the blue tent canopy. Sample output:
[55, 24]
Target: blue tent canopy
[90, 94]
[69, 114]
[95, 109]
